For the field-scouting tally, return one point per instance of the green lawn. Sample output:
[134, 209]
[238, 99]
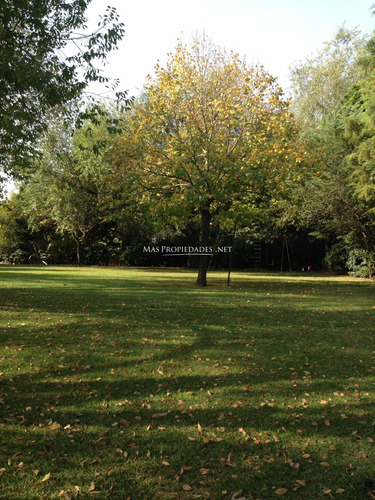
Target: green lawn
[123, 383]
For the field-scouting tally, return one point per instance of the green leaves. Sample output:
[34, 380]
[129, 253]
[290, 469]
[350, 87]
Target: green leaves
[35, 76]
[320, 83]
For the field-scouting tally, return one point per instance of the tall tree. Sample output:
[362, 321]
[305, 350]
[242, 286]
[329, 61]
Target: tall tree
[320, 82]
[63, 191]
[358, 126]
[211, 138]
[35, 73]
[332, 102]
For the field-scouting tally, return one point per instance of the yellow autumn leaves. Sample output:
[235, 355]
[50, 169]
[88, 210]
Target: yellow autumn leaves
[207, 123]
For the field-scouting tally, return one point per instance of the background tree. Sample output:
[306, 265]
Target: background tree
[35, 73]
[329, 108]
[358, 122]
[320, 82]
[63, 191]
[15, 238]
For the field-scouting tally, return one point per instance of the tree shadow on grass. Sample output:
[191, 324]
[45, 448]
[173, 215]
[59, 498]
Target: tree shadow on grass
[121, 354]
[121, 434]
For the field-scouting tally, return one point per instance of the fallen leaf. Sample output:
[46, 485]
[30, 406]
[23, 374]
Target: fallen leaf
[159, 415]
[54, 427]
[186, 487]
[281, 491]
[46, 477]
[325, 464]
[164, 462]
[204, 471]
[340, 490]
[237, 495]
[301, 482]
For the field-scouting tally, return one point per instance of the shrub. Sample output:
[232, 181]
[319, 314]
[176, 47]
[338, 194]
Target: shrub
[361, 263]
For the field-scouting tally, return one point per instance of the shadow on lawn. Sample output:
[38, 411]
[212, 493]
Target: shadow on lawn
[161, 327]
[122, 345]
[93, 430]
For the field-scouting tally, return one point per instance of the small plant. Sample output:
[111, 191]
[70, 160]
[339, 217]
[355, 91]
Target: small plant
[14, 257]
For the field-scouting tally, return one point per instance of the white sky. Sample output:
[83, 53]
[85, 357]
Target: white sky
[274, 33]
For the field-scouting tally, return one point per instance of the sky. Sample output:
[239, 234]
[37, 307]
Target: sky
[274, 33]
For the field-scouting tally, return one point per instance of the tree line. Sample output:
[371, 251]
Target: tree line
[211, 152]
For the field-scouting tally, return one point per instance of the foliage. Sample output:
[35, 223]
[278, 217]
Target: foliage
[15, 244]
[210, 139]
[21, 245]
[47, 59]
[63, 189]
[67, 196]
[361, 263]
[358, 125]
[336, 258]
[335, 202]
[320, 82]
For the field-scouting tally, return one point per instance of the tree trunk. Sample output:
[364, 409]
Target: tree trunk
[203, 259]
[78, 252]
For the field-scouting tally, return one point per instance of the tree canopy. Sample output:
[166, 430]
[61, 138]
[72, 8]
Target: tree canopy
[358, 120]
[47, 59]
[334, 103]
[321, 81]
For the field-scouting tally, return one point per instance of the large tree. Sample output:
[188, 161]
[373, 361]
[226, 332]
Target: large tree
[210, 138]
[358, 123]
[320, 82]
[47, 58]
[334, 105]
[63, 190]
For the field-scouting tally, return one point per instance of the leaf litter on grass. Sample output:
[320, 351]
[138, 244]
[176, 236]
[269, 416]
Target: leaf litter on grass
[241, 396]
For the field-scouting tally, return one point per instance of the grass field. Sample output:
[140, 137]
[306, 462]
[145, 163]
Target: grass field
[121, 383]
